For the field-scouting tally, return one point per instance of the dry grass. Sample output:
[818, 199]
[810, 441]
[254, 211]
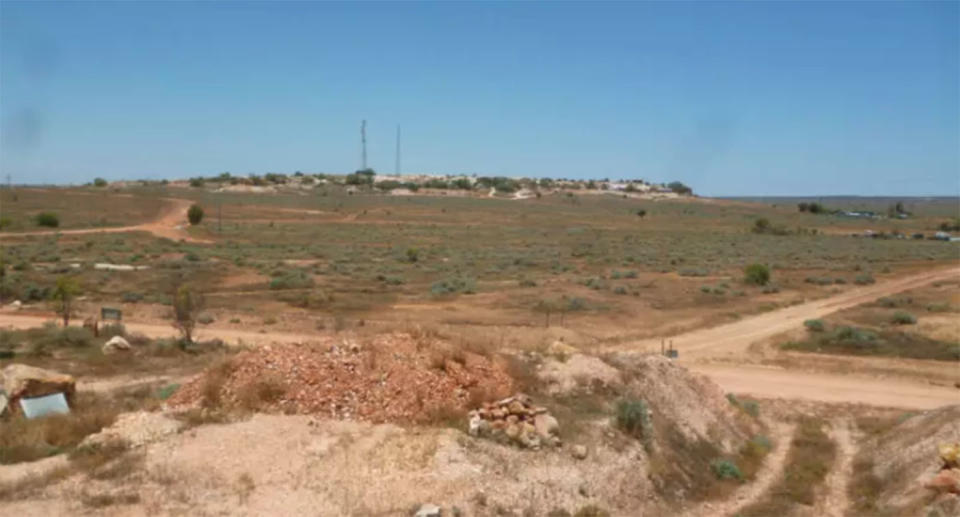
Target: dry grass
[99, 501]
[260, 393]
[28, 440]
[811, 456]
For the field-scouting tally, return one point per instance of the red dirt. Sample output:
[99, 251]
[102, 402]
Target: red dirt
[392, 378]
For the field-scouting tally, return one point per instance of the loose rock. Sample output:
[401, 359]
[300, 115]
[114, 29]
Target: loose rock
[579, 452]
[517, 420]
[429, 510]
[115, 344]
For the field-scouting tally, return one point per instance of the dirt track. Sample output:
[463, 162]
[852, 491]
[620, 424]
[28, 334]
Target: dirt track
[735, 338]
[727, 341]
[169, 224]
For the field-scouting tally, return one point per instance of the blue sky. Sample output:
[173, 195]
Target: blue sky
[751, 98]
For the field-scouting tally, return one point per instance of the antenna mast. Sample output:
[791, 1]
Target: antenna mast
[398, 150]
[363, 145]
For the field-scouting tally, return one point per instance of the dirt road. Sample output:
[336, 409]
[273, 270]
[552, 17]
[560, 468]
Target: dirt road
[734, 338]
[726, 341]
[169, 224]
[763, 381]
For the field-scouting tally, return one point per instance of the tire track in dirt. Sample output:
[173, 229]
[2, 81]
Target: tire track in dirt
[746, 494]
[835, 501]
[169, 224]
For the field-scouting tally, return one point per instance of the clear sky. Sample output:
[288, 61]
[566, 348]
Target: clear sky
[759, 98]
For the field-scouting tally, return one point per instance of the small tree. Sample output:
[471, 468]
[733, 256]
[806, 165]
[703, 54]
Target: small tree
[757, 274]
[48, 219]
[187, 305]
[99, 182]
[641, 213]
[66, 290]
[195, 214]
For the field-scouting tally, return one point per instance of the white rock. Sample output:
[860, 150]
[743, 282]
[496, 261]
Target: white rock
[546, 425]
[579, 452]
[428, 510]
[116, 344]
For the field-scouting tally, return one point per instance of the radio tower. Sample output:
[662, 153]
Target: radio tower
[363, 145]
[398, 151]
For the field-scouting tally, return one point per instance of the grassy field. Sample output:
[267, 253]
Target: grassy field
[301, 257]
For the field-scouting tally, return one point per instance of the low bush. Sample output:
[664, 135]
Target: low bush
[453, 285]
[633, 418]
[47, 219]
[903, 318]
[195, 214]
[725, 469]
[814, 325]
[756, 274]
[131, 297]
[292, 280]
[864, 279]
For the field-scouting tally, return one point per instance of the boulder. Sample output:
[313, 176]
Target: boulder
[579, 452]
[116, 344]
[16, 305]
[429, 510]
[546, 425]
[20, 380]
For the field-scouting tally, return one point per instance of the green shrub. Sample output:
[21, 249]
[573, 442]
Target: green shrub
[5, 222]
[633, 417]
[99, 182]
[814, 325]
[725, 469]
[167, 391]
[48, 219]
[750, 407]
[864, 279]
[903, 318]
[938, 307]
[131, 297]
[195, 214]
[292, 280]
[756, 274]
[413, 255]
[453, 285]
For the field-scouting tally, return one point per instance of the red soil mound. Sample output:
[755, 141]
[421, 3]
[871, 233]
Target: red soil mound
[393, 377]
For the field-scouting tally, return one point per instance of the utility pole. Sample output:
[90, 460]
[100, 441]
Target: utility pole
[219, 216]
[398, 151]
[363, 145]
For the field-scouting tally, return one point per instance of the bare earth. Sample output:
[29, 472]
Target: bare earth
[725, 341]
[170, 225]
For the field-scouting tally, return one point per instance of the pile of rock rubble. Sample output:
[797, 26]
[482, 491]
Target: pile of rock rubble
[515, 420]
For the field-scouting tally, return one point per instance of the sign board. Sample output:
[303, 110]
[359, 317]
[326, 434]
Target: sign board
[109, 313]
